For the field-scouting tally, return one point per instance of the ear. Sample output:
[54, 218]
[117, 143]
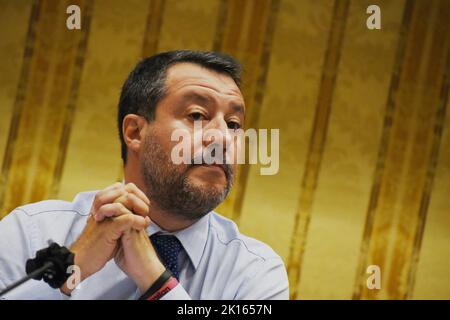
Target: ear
[133, 128]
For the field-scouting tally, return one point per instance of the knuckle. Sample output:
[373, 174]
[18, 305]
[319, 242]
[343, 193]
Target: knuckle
[101, 198]
[125, 211]
[121, 189]
[119, 207]
[128, 219]
[132, 197]
[121, 197]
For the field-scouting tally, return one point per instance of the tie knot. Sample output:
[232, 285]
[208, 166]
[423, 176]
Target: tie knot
[168, 247]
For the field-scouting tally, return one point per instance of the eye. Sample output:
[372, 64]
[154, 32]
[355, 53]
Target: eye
[196, 116]
[233, 125]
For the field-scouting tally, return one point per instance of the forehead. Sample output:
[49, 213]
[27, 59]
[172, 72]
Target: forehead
[189, 76]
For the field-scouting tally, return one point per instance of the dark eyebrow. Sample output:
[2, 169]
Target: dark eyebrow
[238, 108]
[204, 99]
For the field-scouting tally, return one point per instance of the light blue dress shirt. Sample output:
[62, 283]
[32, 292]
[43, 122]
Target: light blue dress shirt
[218, 262]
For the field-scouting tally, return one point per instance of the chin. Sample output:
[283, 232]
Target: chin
[208, 178]
[208, 185]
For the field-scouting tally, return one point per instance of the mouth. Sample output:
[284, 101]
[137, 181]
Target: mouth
[213, 170]
[211, 166]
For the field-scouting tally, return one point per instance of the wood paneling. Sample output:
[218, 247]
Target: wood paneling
[187, 26]
[407, 157]
[317, 142]
[290, 108]
[44, 104]
[431, 280]
[332, 245]
[115, 45]
[14, 18]
[363, 117]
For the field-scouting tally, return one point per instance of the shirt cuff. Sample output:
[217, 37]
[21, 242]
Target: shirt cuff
[63, 295]
[177, 293]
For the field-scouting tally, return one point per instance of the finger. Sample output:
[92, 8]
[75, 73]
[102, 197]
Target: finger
[114, 186]
[127, 236]
[132, 188]
[118, 251]
[126, 222]
[107, 196]
[117, 185]
[111, 210]
[133, 203]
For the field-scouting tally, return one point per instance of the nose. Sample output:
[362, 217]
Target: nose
[217, 131]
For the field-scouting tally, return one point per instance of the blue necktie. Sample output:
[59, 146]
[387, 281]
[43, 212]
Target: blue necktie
[168, 247]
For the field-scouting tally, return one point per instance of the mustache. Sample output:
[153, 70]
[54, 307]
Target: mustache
[205, 157]
[199, 159]
[227, 169]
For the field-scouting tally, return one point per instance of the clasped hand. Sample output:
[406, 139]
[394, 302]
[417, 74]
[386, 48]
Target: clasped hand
[116, 228]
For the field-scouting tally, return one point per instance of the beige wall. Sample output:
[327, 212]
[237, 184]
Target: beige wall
[363, 116]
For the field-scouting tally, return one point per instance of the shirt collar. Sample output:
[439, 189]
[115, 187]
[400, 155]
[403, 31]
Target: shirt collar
[193, 238]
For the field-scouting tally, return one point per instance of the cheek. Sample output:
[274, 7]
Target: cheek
[167, 135]
[180, 136]
[233, 151]
[196, 141]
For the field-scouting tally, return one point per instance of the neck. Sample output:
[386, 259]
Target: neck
[168, 221]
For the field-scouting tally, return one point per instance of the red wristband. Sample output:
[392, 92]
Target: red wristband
[169, 285]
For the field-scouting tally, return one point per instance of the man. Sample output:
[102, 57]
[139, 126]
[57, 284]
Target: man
[155, 236]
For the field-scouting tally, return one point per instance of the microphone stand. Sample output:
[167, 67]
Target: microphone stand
[31, 275]
[50, 264]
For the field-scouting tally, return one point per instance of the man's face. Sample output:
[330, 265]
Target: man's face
[194, 94]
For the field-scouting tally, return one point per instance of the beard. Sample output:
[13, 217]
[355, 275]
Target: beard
[168, 184]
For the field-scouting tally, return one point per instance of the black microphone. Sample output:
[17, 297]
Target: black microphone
[50, 264]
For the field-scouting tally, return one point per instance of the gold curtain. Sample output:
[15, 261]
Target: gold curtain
[364, 174]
